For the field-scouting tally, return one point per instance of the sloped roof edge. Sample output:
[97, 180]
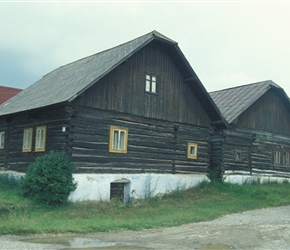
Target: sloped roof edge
[69, 81]
[234, 101]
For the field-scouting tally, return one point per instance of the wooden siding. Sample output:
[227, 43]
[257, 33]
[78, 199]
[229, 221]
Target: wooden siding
[263, 147]
[237, 141]
[54, 119]
[3, 151]
[256, 149]
[269, 113]
[124, 90]
[217, 153]
[154, 146]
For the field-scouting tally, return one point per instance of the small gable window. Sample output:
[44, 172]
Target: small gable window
[27, 140]
[150, 83]
[40, 139]
[118, 140]
[192, 150]
[2, 139]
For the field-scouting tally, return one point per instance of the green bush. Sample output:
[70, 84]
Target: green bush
[49, 179]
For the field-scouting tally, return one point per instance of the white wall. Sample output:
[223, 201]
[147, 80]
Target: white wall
[241, 179]
[97, 186]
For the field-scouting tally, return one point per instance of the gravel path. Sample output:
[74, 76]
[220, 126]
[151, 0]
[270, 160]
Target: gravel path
[258, 229]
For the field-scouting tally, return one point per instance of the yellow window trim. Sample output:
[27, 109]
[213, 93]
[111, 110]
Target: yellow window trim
[30, 140]
[113, 150]
[44, 139]
[189, 146]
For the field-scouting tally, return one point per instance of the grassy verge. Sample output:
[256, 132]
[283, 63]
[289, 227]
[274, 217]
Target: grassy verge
[204, 202]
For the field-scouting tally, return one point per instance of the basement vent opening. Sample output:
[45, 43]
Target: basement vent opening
[120, 190]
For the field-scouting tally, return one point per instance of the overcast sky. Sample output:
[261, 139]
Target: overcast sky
[227, 43]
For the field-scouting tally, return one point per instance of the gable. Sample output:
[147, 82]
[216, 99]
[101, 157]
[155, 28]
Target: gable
[269, 113]
[124, 89]
[66, 83]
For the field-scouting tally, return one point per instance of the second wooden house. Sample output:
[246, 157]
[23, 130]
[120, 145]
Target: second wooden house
[258, 140]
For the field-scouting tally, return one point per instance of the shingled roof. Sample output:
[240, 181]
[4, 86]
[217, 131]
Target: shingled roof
[234, 101]
[66, 83]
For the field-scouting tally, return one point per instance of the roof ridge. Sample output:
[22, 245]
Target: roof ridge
[246, 85]
[152, 33]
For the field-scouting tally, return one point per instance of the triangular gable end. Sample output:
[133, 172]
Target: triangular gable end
[66, 83]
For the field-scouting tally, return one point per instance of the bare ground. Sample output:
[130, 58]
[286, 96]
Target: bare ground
[258, 229]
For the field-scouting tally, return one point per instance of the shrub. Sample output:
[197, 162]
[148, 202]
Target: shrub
[49, 179]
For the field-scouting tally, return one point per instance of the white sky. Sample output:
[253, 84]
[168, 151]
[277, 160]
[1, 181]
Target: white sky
[227, 43]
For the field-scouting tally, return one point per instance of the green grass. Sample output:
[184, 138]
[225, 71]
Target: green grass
[202, 203]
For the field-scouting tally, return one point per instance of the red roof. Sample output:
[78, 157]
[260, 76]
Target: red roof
[7, 92]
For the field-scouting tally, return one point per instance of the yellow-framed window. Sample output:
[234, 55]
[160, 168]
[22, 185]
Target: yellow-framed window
[40, 139]
[192, 150]
[27, 140]
[118, 140]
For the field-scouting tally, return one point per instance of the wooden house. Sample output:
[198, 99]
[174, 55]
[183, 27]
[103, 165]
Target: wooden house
[258, 140]
[134, 119]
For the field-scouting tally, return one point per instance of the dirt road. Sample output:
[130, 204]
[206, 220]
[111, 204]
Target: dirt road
[258, 229]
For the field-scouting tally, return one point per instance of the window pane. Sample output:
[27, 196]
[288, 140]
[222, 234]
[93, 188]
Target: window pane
[26, 142]
[153, 78]
[2, 136]
[115, 139]
[284, 159]
[153, 87]
[148, 77]
[40, 138]
[122, 140]
[147, 85]
[192, 150]
[277, 157]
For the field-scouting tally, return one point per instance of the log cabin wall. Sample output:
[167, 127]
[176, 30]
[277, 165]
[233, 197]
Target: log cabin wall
[217, 151]
[264, 148]
[250, 152]
[4, 149]
[124, 90]
[154, 146]
[54, 118]
[269, 113]
[237, 151]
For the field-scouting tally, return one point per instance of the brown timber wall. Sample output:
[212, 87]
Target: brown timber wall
[54, 119]
[269, 113]
[3, 151]
[257, 149]
[124, 90]
[153, 145]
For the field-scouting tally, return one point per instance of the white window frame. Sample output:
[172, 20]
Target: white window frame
[192, 150]
[118, 140]
[151, 83]
[27, 140]
[2, 139]
[40, 139]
